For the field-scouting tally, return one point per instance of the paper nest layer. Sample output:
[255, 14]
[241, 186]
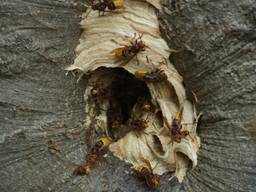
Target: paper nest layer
[103, 34]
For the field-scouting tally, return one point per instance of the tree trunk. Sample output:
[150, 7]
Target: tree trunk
[217, 43]
[39, 103]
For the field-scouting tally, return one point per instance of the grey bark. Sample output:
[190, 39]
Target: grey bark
[217, 44]
[39, 103]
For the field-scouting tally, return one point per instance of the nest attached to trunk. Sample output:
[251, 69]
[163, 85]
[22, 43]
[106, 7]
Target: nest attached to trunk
[101, 35]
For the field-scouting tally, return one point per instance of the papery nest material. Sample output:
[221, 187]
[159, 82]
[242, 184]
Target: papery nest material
[101, 35]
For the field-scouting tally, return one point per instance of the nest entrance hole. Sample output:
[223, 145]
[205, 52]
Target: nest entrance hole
[126, 90]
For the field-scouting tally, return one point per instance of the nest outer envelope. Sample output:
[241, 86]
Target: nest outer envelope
[38, 102]
[100, 36]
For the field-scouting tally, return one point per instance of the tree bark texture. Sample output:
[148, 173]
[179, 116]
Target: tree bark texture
[217, 44]
[39, 103]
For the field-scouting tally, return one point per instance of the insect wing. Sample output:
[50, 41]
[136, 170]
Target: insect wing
[127, 60]
[148, 164]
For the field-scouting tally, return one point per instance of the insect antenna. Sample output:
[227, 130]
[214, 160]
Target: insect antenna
[140, 36]
[134, 36]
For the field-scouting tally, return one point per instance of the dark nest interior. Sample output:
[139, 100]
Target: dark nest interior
[126, 91]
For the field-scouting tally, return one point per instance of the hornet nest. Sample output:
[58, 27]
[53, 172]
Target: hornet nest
[125, 80]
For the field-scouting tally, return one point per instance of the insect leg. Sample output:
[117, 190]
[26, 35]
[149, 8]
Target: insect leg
[137, 60]
[89, 11]
[147, 59]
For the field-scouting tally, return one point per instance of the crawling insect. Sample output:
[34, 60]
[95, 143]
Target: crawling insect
[138, 124]
[103, 6]
[145, 104]
[116, 122]
[82, 169]
[154, 76]
[94, 153]
[53, 147]
[175, 130]
[146, 172]
[128, 52]
[93, 156]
